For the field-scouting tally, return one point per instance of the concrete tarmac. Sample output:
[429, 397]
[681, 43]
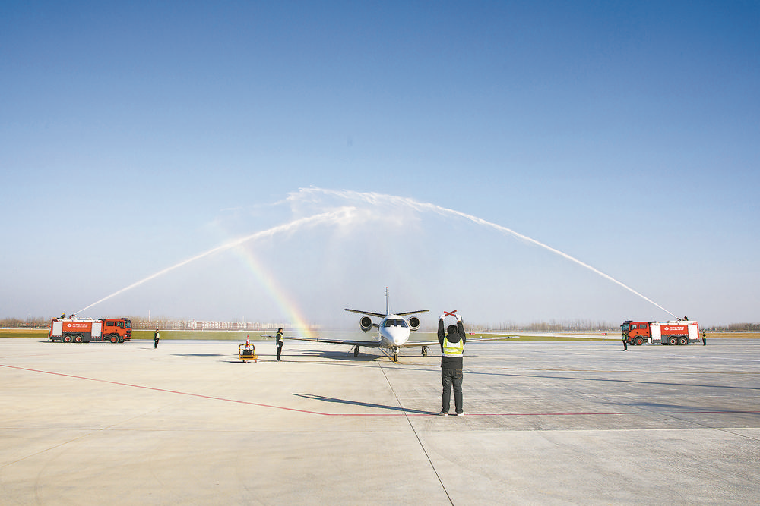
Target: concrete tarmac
[546, 423]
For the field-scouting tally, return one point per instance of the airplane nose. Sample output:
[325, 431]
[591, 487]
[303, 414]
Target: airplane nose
[399, 336]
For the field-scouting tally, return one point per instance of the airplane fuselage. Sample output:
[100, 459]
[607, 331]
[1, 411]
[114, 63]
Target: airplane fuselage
[393, 331]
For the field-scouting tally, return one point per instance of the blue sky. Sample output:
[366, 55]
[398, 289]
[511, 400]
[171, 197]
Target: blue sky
[625, 134]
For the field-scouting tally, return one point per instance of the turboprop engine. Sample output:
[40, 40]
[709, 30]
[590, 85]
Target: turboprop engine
[365, 323]
[414, 323]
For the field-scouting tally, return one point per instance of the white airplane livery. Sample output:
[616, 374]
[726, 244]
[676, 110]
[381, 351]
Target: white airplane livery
[393, 331]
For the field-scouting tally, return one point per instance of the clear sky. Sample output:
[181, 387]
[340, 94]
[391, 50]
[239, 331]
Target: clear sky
[137, 135]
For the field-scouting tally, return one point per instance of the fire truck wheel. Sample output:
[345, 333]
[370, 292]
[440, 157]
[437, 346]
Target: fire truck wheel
[672, 340]
[114, 339]
[639, 341]
[67, 339]
[682, 340]
[78, 339]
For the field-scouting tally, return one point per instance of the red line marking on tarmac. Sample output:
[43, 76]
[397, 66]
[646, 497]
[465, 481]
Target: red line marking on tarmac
[309, 412]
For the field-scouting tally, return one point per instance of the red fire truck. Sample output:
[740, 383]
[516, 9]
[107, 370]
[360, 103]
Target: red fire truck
[677, 332]
[74, 330]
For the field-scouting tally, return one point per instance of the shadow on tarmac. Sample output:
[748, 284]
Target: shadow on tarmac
[199, 354]
[606, 380]
[363, 404]
[340, 355]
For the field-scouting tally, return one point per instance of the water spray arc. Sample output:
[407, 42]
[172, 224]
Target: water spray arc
[376, 198]
[348, 214]
[340, 215]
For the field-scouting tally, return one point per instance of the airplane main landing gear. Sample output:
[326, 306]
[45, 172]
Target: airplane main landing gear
[356, 351]
[424, 351]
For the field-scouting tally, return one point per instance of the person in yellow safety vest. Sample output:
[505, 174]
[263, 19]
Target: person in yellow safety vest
[452, 346]
[278, 341]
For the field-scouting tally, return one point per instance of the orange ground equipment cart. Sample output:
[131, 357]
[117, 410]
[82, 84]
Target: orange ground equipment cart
[247, 352]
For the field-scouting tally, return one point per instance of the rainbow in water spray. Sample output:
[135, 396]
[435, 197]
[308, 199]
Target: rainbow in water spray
[273, 288]
[340, 215]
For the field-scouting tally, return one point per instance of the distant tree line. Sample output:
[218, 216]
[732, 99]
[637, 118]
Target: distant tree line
[30, 322]
[174, 324]
[736, 327]
[579, 325]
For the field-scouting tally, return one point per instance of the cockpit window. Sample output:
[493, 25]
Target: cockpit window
[393, 322]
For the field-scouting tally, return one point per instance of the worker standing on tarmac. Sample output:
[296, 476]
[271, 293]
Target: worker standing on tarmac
[452, 346]
[156, 338]
[278, 341]
[704, 337]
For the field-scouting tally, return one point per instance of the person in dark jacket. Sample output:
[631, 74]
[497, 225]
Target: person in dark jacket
[278, 341]
[156, 338]
[452, 347]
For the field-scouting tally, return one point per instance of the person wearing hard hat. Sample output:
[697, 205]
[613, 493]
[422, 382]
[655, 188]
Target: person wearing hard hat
[452, 346]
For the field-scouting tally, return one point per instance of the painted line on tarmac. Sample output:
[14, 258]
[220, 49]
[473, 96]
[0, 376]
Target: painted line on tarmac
[399, 414]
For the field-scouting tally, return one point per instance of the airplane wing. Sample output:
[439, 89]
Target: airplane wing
[365, 344]
[413, 312]
[368, 313]
[411, 344]
[500, 338]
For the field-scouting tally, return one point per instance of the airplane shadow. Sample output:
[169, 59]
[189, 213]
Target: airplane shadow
[360, 403]
[198, 355]
[340, 355]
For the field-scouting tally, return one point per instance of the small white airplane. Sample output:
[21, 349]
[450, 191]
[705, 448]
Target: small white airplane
[392, 332]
